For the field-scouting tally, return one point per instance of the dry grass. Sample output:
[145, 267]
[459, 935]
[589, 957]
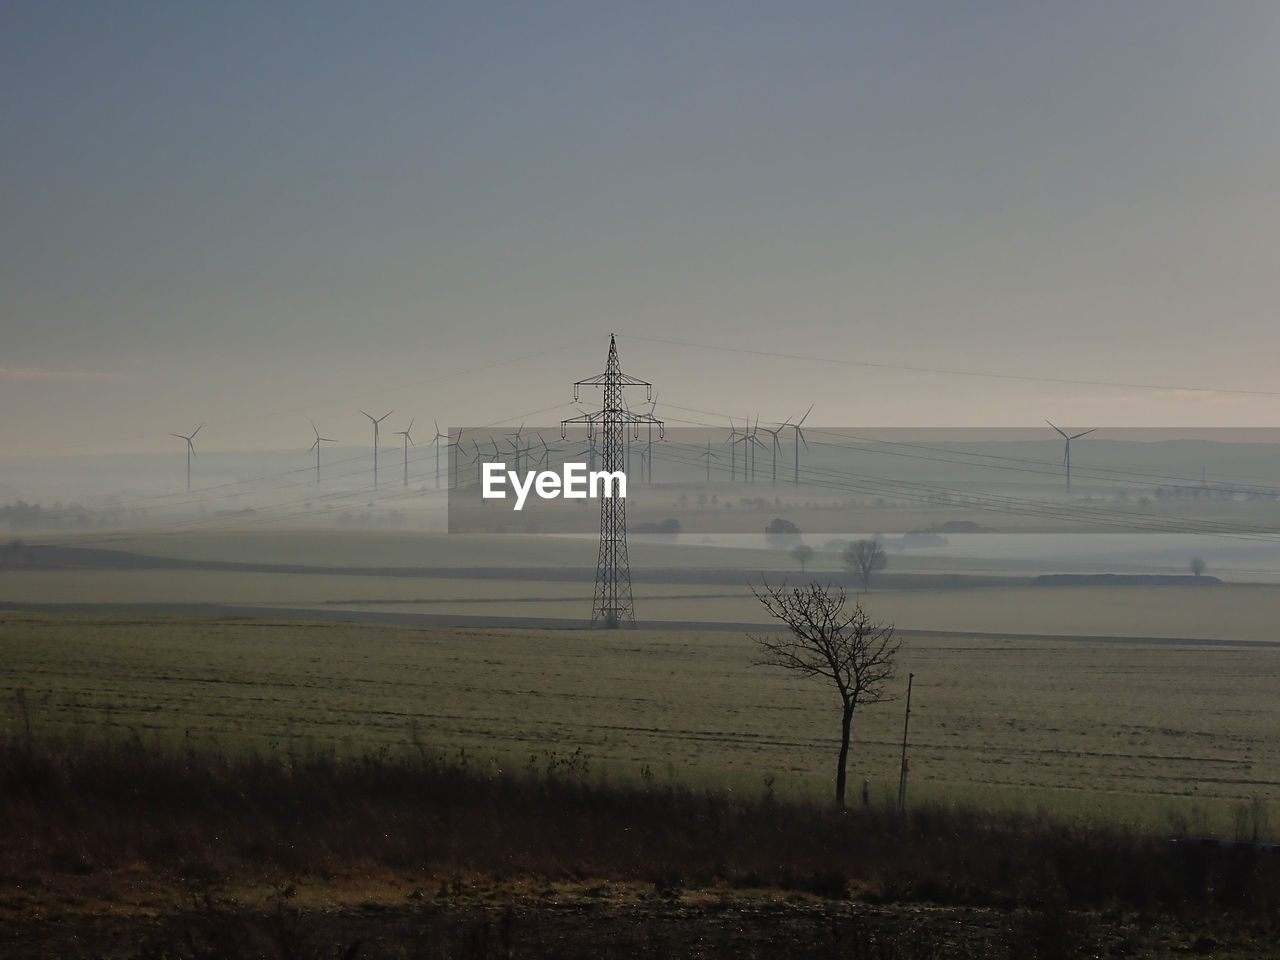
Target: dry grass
[1143, 734]
[171, 783]
[215, 819]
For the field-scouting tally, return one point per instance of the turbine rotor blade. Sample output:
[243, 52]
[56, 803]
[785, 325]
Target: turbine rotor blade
[1055, 426]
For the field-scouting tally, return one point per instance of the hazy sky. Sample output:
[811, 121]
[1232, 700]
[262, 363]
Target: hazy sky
[249, 214]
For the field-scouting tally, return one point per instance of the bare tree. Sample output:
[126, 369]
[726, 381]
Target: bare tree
[1197, 565]
[782, 533]
[865, 557]
[824, 640]
[802, 553]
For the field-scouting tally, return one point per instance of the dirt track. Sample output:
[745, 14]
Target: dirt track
[482, 919]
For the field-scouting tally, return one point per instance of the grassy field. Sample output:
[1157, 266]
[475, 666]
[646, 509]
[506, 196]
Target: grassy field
[305, 775]
[328, 546]
[1038, 695]
[1163, 735]
[1229, 612]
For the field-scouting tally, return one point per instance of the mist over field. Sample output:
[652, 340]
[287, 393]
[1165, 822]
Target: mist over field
[960, 316]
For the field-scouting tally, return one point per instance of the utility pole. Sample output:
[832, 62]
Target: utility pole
[902, 782]
[612, 605]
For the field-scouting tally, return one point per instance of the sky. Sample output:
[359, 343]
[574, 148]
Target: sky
[250, 215]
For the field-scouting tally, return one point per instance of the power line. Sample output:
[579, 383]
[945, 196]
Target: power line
[953, 372]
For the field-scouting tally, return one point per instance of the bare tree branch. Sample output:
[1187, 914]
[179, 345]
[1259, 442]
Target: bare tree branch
[824, 639]
[865, 557]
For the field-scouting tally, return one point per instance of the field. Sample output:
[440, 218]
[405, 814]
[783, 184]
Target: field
[1122, 701]
[309, 692]
[1155, 733]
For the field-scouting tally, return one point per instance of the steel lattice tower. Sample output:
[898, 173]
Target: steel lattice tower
[612, 606]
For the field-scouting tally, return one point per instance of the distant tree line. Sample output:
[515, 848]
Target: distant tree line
[31, 516]
[669, 527]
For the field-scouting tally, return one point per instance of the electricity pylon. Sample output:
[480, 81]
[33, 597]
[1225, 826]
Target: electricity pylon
[612, 606]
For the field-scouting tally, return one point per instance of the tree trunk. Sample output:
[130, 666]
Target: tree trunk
[846, 722]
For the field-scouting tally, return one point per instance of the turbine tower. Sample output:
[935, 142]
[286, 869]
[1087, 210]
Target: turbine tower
[648, 457]
[408, 440]
[1066, 453]
[520, 453]
[799, 438]
[732, 441]
[774, 447]
[316, 447]
[612, 605]
[454, 444]
[709, 456]
[435, 442]
[477, 461]
[191, 450]
[747, 437]
[544, 461]
[375, 421]
[753, 441]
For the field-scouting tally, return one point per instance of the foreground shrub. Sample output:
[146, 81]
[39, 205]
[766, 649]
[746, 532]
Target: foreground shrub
[205, 814]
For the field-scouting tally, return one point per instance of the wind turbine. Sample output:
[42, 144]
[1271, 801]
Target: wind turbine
[544, 461]
[799, 438]
[709, 456]
[521, 453]
[513, 440]
[775, 447]
[1066, 454]
[476, 461]
[749, 442]
[590, 450]
[191, 450]
[753, 441]
[593, 450]
[408, 440]
[653, 405]
[435, 441]
[457, 451]
[631, 431]
[316, 447]
[734, 437]
[375, 421]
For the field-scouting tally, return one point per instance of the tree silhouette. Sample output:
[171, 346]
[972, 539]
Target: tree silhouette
[823, 639]
[802, 553]
[782, 532]
[865, 557]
